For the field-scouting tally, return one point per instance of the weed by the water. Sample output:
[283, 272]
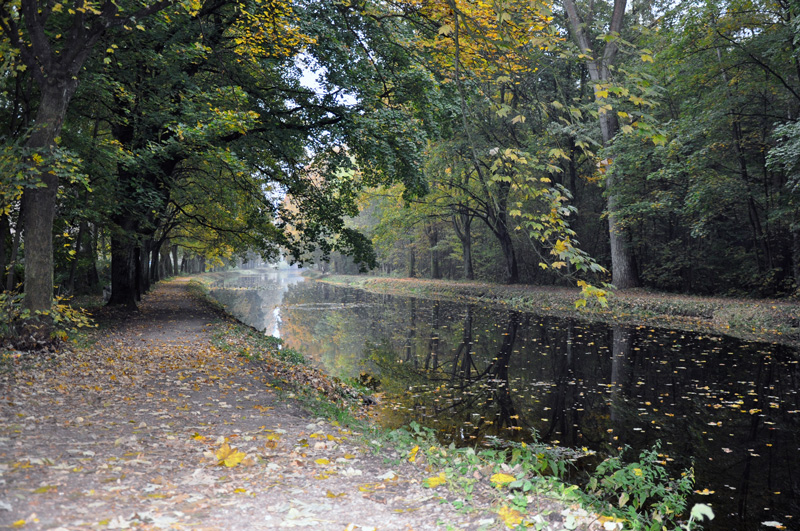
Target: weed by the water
[527, 481]
[640, 492]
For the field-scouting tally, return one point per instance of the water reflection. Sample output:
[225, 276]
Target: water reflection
[255, 298]
[727, 407]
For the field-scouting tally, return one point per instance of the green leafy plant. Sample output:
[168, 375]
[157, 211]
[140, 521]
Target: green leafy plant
[67, 320]
[640, 492]
[10, 310]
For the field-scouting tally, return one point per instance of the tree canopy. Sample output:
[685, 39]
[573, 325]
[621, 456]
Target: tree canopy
[582, 142]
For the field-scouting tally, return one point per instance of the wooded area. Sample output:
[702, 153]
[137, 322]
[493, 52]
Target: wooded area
[646, 144]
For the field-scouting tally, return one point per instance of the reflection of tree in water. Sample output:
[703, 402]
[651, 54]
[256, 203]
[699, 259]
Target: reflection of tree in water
[410, 346]
[432, 358]
[252, 298]
[472, 388]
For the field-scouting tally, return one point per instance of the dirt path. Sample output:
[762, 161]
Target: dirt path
[130, 433]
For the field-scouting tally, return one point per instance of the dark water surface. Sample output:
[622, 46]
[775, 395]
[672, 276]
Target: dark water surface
[727, 407]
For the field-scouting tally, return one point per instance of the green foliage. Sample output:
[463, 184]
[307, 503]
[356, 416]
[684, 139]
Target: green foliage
[10, 312]
[640, 492]
[67, 320]
[639, 495]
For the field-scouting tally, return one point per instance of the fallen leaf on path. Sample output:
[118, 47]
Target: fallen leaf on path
[412, 455]
[434, 482]
[228, 456]
[511, 517]
[502, 479]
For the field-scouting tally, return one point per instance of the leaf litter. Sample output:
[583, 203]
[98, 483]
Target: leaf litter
[153, 427]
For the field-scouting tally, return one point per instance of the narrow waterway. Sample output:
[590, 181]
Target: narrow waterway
[728, 408]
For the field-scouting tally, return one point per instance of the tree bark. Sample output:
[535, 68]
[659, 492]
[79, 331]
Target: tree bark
[73, 267]
[512, 270]
[39, 203]
[5, 235]
[433, 239]
[123, 267]
[12, 262]
[175, 269]
[796, 259]
[92, 276]
[412, 259]
[461, 223]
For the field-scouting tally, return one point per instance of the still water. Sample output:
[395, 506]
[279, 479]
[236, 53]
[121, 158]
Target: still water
[729, 408]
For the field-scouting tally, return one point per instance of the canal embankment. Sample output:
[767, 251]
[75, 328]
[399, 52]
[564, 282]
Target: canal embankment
[769, 320]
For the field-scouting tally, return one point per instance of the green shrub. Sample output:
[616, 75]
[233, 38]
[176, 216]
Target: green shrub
[66, 319]
[640, 493]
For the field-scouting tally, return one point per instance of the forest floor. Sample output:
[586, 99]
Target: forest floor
[750, 319]
[155, 423]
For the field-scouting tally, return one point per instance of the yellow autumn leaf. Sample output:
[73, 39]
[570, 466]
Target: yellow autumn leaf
[559, 247]
[511, 517]
[322, 461]
[18, 523]
[502, 479]
[412, 455]
[434, 482]
[330, 494]
[228, 456]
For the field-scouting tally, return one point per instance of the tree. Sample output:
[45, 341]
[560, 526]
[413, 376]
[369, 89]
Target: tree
[600, 66]
[53, 41]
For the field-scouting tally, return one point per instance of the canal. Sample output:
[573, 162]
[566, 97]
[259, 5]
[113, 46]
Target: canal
[726, 407]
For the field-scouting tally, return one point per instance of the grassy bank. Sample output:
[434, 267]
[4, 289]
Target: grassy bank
[750, 319]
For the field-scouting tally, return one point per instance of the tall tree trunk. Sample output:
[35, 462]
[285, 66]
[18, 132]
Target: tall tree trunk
[433, 239]
[512, 269]
[411, 272]
[5, 235]
[123, 270]
[123, 265]
[175, 270]
[12, 262]
[154, 252]
[165, 266]
[73, 267]
[796, 258]
[39, 203]
[92, 276]
[623, 268]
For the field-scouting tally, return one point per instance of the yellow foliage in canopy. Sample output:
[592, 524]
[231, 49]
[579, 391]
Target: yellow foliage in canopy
[268, 30]
[494, 40]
